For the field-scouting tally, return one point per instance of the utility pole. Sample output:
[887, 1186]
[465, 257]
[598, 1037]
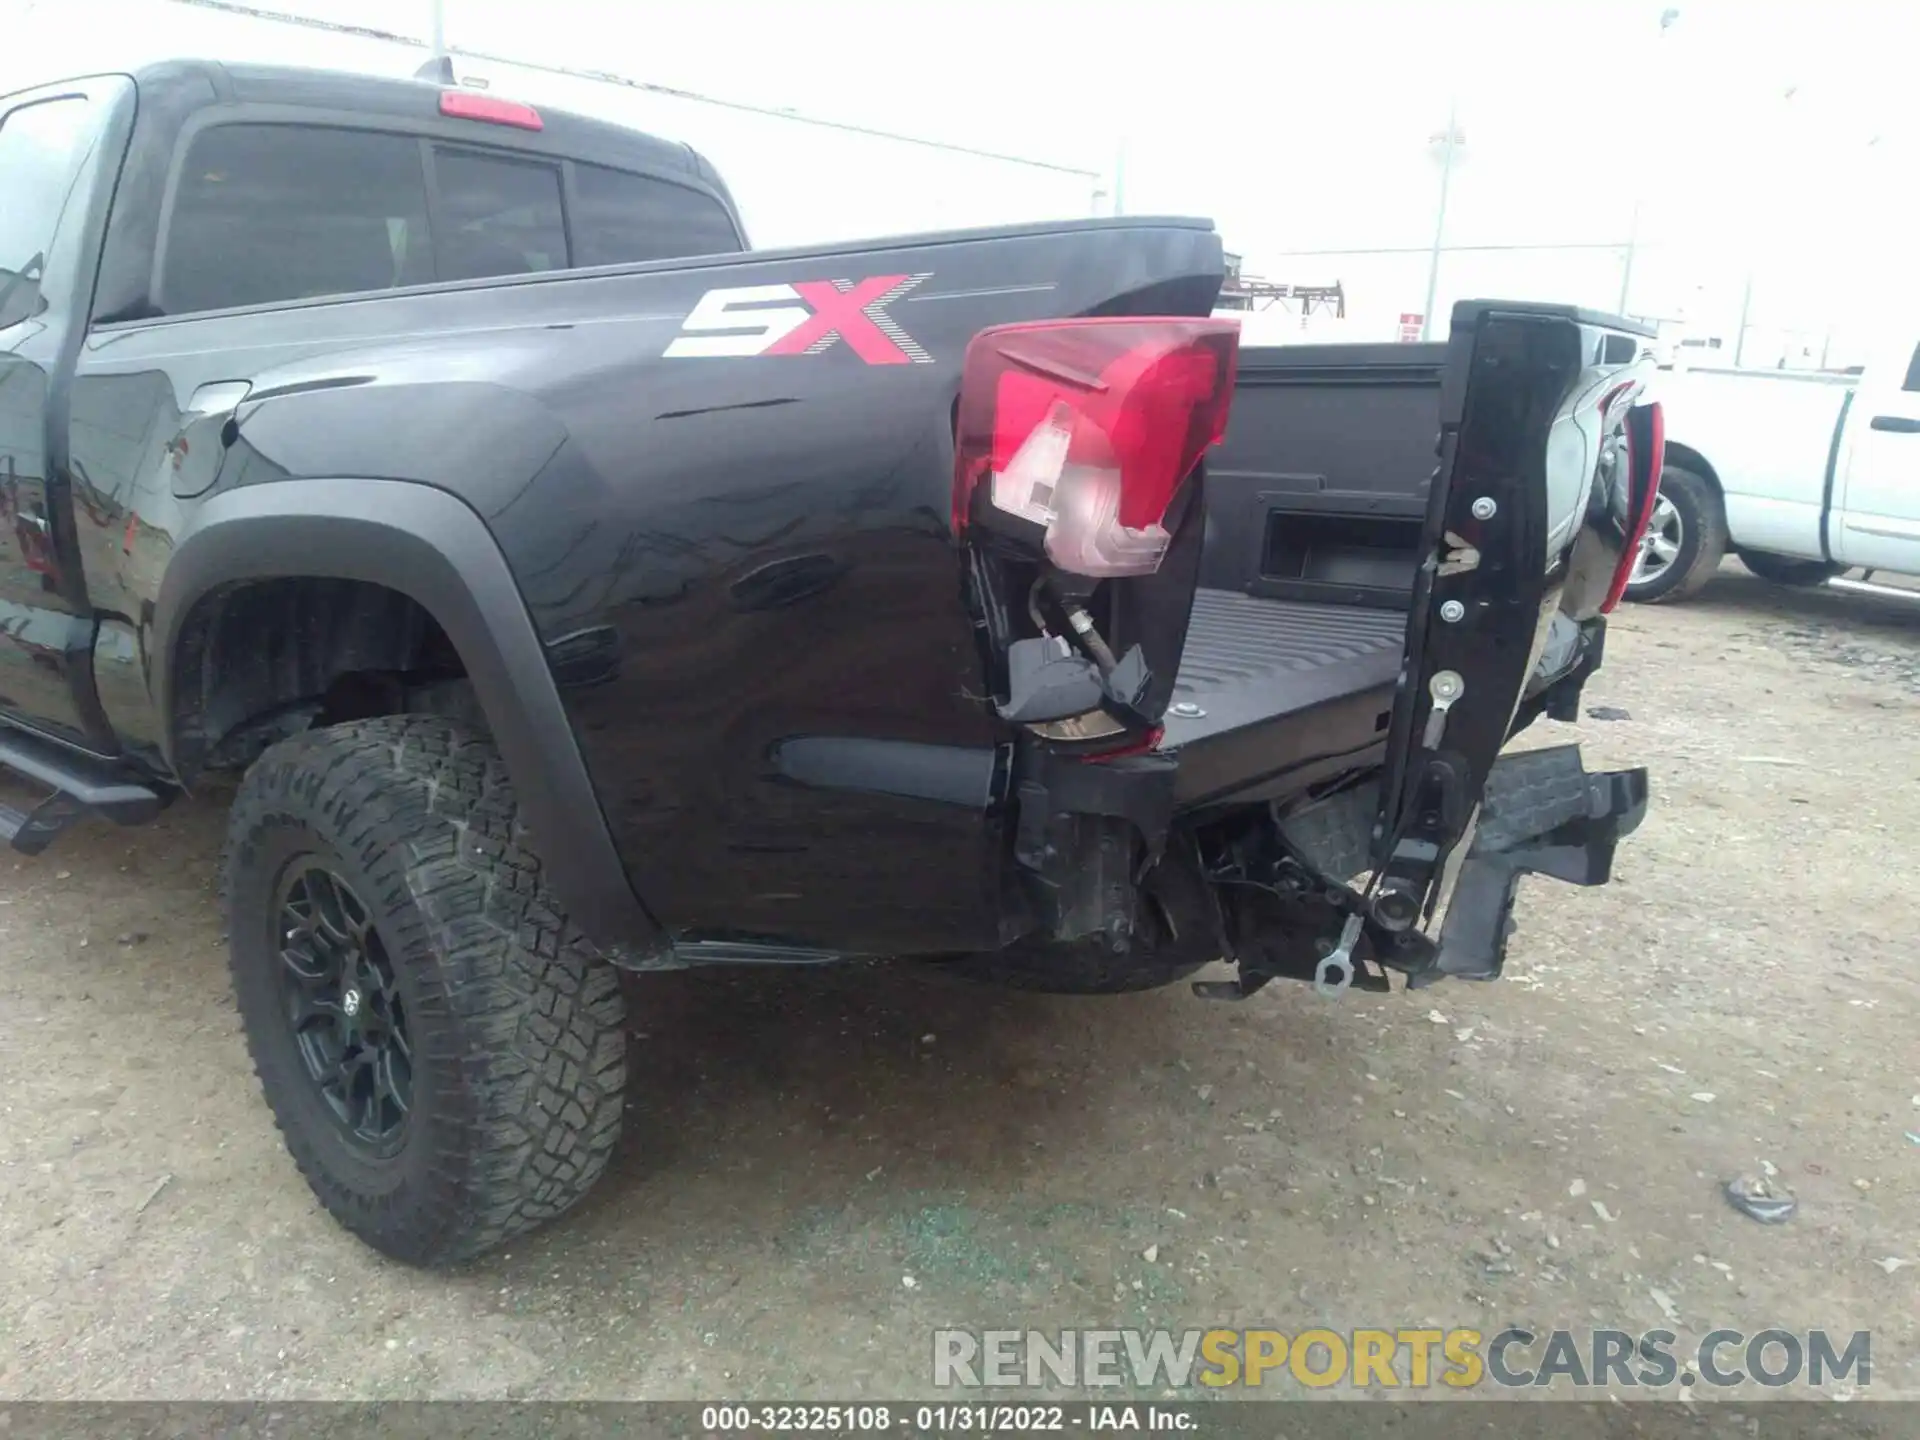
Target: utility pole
[439, 65]
[1667, 17]
[1626, 270]
[1452, 139]
[1746, 293]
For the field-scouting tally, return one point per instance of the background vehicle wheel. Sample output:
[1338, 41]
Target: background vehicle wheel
[445, 1056]
[1784, 571]
[1685, 541]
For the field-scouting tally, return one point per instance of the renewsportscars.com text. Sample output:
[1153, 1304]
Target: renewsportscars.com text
[1412, 1358]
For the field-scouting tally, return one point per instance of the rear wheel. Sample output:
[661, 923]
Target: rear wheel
[445, 1056]
[1685, 540]
[1781, 570]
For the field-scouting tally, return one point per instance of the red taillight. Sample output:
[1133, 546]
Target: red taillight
[1646, 431]
[465, 105]
[1088, 428]
[1136, 745]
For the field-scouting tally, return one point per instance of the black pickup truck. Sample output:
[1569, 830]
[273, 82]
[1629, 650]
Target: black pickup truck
[576, 591]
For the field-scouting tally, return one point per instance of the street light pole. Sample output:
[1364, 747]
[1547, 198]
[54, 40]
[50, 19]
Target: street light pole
[1440, 220]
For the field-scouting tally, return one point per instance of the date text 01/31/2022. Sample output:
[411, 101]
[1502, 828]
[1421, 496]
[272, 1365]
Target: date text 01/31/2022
[943, 1419]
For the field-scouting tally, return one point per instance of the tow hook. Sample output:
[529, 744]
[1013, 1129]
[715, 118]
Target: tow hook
[1290, 923]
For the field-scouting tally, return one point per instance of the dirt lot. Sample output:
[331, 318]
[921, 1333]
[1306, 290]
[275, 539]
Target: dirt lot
[828, 1164]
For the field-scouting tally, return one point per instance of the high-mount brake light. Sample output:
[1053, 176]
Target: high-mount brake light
[1646, 446]
[1088, 428]
[465, 105]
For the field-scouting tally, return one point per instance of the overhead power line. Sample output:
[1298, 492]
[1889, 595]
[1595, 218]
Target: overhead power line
[1451, 249]
[627, 82]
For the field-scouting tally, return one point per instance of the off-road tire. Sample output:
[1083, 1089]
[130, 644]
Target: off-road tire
[1703, 538]
[517, 1025]
[1784, 570]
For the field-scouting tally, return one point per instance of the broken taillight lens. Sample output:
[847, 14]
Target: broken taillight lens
[1646, 455]
[1088, 428]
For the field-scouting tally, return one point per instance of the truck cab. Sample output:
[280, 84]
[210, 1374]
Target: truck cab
[1874, 520]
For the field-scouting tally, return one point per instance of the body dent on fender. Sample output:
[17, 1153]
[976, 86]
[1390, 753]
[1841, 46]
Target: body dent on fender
[431, 547]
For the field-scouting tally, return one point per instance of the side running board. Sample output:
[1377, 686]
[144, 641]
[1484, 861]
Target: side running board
[78, 787]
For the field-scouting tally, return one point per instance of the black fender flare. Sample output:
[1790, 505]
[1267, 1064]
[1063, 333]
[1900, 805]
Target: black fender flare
[429, 546]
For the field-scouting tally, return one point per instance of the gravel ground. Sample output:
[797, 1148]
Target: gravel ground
[828, 1164]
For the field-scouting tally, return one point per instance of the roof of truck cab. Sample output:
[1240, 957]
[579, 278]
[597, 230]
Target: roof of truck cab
[576, 137]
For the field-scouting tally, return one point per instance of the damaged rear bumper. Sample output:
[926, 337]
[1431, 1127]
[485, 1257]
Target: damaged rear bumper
[1544, 814]
[1297, 902]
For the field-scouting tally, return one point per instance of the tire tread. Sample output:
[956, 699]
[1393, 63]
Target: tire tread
[533, 1053]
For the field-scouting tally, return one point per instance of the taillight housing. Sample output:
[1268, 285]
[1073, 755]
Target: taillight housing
[1088, 428]
[1646, 455]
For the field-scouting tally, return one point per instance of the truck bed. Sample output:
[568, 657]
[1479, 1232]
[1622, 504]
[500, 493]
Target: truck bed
[1279, 685]
[1318, 491]
[1314, 506]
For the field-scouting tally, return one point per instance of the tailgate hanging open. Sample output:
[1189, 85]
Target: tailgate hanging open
[1536, 503]
[1547, 471]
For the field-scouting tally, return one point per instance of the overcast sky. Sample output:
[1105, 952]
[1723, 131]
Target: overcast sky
[1775, 139]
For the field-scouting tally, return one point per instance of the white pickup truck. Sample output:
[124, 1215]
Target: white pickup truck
[1803, 476]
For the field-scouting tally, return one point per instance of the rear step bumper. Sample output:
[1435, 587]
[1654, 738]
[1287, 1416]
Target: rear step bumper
[79, 786]
[1543, 813]
[1574, 842]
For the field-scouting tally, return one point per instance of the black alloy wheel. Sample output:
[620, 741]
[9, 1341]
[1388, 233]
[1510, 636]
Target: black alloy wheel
[344, 1003]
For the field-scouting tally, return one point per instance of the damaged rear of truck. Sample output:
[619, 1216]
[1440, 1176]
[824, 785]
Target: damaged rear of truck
[574, 590]
[1265, 687]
